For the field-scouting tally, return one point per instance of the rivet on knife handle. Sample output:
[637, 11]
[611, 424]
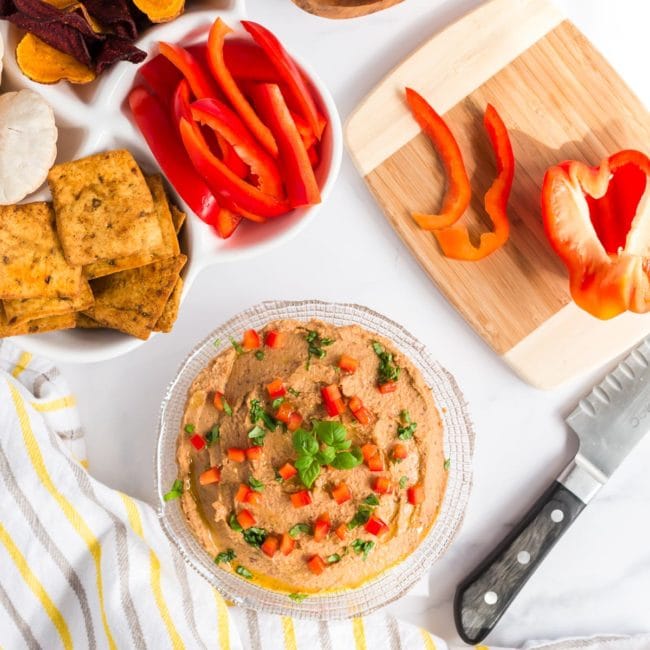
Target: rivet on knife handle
[483, 597]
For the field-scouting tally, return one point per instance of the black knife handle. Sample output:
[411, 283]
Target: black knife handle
[484, 596]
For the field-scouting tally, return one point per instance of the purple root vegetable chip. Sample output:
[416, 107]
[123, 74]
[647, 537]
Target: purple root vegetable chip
[116, 49]
[114, 14]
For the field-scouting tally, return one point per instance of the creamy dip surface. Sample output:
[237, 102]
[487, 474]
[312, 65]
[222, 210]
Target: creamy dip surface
[366, 488]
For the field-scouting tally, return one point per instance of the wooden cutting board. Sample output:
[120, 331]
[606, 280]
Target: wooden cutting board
[344, 8]
[560, 100]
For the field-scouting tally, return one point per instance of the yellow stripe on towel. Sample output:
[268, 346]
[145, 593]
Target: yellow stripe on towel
[37, 588]
[223, 625]
[154, 565]
[289, 634]
[23, 362]
[428, 641]
[359, 633]
[55, 405]
[80, 526]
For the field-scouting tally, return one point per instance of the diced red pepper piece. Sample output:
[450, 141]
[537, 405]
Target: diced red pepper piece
[355, 404]
[376, 526]
[300, 181]
[368, 451]
[400, 452]
[300, 499]
[212, 475]
[321, 527]
[381, 485]
[217, 400]
[415, 494]
[283, 412]
[242, 492]
[362, 415]
[253, 453]
[388, 387]
[270, 545]
[295, 420]
[287, 471]
[334, 404]
[223, 77]
[375, 463]
[245, 519]
[341, 493]
[348, 364]
[317, 565]
[276, 389]
[236, 454]
[251, 340]
[289, 72]
[287, 544]
[274, 339]
[236, 194]
[254, 498]
[341, 531]
[198, 442]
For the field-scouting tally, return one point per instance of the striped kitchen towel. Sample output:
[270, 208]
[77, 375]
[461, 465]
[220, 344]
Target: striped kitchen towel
[85, 566]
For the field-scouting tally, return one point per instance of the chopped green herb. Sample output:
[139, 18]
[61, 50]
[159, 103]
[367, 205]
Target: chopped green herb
[236, 345]
[278, 476]
[257, 435]
[371, 500]
[315, 345]
[213, 435]
[388, 371]
[276, 402]
[298, 529]
[244, 572]
[255, 536]
[258, 413]
[226, 407]
[406, 430]
[234, 524]
[361, 517]
[190, 428]
[216, 343]
[256, 485]
[363, 546]
[447, 464]
[403, 481]
[175, 492]
[334, 558]
[298, 598]
[259, 355]
[294, 392]
[225, 556]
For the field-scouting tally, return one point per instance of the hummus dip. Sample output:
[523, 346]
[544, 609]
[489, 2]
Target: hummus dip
[310, 457]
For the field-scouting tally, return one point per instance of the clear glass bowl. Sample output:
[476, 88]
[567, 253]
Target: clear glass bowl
[396, 581]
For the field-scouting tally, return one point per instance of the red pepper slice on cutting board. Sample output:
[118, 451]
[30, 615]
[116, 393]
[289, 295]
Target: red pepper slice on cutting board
[455, 241]
[598, 221]
[459, 191]
[231, 190]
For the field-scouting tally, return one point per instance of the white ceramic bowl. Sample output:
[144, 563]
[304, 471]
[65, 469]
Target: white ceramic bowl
[396, 581]
[95, 118]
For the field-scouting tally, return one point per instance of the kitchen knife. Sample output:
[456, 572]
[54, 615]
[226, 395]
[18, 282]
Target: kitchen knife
[609, 422]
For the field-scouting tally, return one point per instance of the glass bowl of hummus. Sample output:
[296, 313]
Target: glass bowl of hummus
[313, 460]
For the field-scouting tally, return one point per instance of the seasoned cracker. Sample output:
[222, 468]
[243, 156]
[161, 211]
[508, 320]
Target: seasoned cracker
[32, 264]
[170, 312]
[37, 326]
[104, 208]
[87, 323]
[20, 311]
[133, 301]
[179, 218]
[169, 247]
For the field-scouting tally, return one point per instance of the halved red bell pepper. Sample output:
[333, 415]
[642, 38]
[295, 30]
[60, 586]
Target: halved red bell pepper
[598, 221]
[165, 145]
[459, 191]
[289, 72]
[225, 80]
[455, 241]
[232, 190]
[300, 182]
[225, 123]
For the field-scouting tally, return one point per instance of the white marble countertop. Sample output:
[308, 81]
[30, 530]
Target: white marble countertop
[597, 579]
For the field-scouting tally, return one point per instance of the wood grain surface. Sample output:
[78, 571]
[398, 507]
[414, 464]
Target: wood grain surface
[560, 100]
[344, 8]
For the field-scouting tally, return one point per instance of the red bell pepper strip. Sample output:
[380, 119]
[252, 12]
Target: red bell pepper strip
[248, 61]
[459, 191]
[165, 145]
[162, 77]
[181, 101]
[301, 185]
[223, 77]
[225, 123]
[200, 83]
[597, 221]
[455, 242]
[232, 190]
[289, 72]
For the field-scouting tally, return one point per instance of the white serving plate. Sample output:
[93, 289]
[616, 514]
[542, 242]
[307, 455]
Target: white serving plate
[95, 117]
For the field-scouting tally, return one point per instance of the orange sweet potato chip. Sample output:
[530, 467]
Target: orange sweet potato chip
[160, 11]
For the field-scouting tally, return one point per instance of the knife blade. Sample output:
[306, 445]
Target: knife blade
[609, 422]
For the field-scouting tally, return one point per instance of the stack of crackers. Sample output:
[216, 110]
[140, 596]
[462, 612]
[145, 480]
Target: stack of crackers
[105, 253]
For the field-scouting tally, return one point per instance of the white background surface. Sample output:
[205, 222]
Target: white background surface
[598, 578]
